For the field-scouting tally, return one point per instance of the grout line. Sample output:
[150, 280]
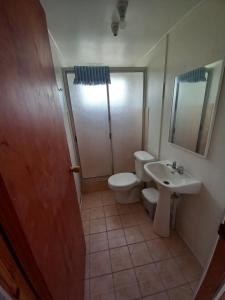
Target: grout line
[89, 288]
[113, 272]
[114, 290]
[123, 228]
[134, 268]
[178, 286]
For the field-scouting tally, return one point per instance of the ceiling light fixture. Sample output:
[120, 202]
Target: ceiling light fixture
[115, 28]
[119, 20]
[122, 9]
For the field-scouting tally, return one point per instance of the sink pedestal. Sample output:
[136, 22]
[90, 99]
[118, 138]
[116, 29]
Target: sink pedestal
[161, 223]
[168, 182]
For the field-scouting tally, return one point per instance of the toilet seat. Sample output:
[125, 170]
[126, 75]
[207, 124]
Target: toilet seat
[121, 181]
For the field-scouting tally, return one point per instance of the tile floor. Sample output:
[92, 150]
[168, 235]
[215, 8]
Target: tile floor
[126, 260]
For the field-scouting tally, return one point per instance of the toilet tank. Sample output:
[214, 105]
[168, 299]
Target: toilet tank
[141, 158]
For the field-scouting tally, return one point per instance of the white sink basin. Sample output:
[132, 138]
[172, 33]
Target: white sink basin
[169, 181]
[172, 180]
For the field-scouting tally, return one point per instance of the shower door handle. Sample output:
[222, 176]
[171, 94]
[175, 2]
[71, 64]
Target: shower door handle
[75, 169]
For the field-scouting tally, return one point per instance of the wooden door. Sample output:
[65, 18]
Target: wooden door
[34, 157]
[215, 274]
[11, 277]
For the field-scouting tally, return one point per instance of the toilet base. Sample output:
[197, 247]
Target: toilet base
[128, 196]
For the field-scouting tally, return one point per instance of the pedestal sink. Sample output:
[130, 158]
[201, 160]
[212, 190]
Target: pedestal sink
[169, 181]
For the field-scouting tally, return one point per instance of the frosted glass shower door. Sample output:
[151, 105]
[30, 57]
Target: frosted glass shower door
[90, 112]
[126, 109]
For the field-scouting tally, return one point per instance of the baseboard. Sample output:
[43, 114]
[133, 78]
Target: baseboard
[195, 254]
[94, 185]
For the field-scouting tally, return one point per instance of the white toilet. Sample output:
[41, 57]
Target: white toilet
[127, 186]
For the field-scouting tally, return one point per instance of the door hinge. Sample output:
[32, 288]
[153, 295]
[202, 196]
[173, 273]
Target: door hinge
[221, 231]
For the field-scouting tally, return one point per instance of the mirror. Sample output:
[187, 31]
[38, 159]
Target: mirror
[194, 106]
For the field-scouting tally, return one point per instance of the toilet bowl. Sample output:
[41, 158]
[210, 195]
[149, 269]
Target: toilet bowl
[127, 186]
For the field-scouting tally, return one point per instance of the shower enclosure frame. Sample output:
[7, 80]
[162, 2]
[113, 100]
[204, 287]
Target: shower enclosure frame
[70, 70]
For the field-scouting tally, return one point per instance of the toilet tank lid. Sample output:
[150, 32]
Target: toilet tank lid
[144, 156]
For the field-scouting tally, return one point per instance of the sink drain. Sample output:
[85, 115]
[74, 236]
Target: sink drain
[166, 182]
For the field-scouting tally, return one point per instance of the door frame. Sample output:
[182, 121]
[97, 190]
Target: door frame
[133, 70]
[4, 294]
[67, 70]
[214, 275]
[13, 280]
[16, 239]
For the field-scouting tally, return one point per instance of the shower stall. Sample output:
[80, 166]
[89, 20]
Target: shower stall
[107, 121]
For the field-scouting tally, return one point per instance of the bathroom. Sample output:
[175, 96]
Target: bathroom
[146, 162]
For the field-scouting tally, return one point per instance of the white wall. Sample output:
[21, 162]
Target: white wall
[195, 41]
[57, 61]
[154, 103]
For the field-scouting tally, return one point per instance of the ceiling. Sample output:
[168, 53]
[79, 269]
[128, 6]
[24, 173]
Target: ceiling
[82, 29]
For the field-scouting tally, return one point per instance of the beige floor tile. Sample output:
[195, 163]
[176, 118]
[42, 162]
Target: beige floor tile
[110, 210]
[158, 249]
[133, 235]
[120, 259]
[189, 267]
[113, 222]
[85, 214]
[91, 196]
[126, 285]
[91, 204]
[123, 208]
[97, 213]
[176, 245]
[128, 292]
[170, 274]
[116, 238]
[179, 275]
[98, 242]
[107, 198]
[142, 217]
[194, 285]
[180, 293]
[87, 289]
[86, 227]
[100, 263]
[140, 254]
[160, 296]
[87, 266]
[87, 243]
[146, 229]
[108, 296]
[101, 285]
[137, 208]
[97, 225]
[129, 220]
[149, 280]
[125, 277]
[91, 200]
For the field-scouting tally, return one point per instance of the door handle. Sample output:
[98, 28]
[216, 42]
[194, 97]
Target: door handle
[75, 169]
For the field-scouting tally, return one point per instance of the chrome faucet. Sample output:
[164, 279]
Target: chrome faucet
[173, 165]
[179, 169]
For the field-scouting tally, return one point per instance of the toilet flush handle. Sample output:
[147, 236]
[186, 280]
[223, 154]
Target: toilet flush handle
[75, 169]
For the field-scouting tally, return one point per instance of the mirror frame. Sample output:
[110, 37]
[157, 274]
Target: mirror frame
[212, 123]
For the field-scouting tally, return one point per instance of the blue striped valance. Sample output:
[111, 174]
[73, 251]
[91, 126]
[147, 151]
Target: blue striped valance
[91, 75]
[194, 75]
